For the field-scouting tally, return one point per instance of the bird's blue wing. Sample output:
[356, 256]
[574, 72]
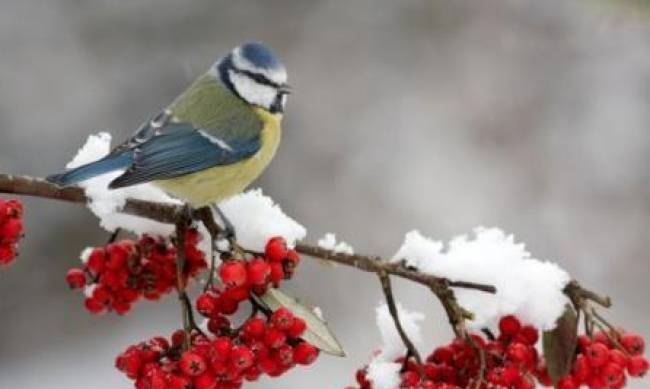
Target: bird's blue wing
[178, 149]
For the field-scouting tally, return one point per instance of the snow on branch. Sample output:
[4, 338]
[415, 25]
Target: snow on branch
[529, 288]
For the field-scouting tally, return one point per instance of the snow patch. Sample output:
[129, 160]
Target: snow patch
[527, 287]
[328, 242]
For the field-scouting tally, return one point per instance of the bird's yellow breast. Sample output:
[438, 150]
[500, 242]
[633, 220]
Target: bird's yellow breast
[220, 182]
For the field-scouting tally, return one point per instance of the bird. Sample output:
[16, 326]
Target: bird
[212, 141]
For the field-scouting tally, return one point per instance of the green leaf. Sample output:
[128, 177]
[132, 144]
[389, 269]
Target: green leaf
[560, 344]
[316, 333]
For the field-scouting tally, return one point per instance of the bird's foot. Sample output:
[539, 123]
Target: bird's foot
[188, 213]
[227, 232]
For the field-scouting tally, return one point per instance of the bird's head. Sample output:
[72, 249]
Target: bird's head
[255, 74]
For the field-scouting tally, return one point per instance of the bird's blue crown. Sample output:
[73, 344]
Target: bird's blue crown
[254, 73]
[260, 56]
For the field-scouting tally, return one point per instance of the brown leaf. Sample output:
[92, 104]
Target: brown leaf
[560, 344]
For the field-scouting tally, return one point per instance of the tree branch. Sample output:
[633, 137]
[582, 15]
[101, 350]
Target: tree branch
[170, 214]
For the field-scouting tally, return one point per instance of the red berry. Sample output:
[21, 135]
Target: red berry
[601, 337]
[129, 363]
[259, 349]
[241, 357]
[268, 365]
[7, 253]
[179, 382]
[258, 271]
[205, 380]
[566, 383]
[274, 338]
[11, 230]
[237, 293]
[519, 353]
[282, 319]
[511, 375]
[252, 373]
[509, 325]
[178, 337]
[95, 262]
[227, 306]
[304, 353]
[526, 382]
[495, 376]
[584, 341]
[76, 278]
[259, 290]
[221, 348]
[94, 306]
[441, 355]
[617, 356]
[410, 379]
[529, 335]
[233, 273]
[297, 328]
[118, 254]
[284, 356]
[362, 378]
[192, 237]
[276, 249]
[157, 380]
[292, 257]
[277, 273]
[597, 354]
[613, 374]
[633, 343]
[206, 304]
[428, 385]
[543, 376]
[581, 368]
[192, 364]
[254, 328]
[637, 366]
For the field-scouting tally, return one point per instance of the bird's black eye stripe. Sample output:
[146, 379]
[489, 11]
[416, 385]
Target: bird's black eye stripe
[259, 78]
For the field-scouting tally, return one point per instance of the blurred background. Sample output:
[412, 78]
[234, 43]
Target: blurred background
[436, 115]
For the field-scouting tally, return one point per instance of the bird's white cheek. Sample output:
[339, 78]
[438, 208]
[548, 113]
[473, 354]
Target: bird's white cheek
[251, 91]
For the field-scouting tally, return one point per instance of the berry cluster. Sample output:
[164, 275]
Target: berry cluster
[227, 356]
[602, 361]
[241, 278]
[11, 229]
[512, 362]
[118, 274]
[223, 361]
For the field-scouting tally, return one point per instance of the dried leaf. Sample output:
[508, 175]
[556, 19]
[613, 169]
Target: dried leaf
[560, 344]
[316, 333]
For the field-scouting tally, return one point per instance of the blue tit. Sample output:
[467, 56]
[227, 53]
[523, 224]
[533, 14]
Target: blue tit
[213, 140]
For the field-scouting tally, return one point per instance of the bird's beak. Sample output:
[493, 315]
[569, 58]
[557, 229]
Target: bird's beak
[285, 89]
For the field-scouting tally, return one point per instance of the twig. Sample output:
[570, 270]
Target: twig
[181, 228]
[488, 334]
[113, 237]
[577, 293]
[386, 287]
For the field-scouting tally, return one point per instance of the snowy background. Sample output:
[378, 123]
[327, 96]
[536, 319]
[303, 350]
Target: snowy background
[435, 115]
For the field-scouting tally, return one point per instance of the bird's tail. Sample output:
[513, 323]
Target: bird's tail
[93, 169]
